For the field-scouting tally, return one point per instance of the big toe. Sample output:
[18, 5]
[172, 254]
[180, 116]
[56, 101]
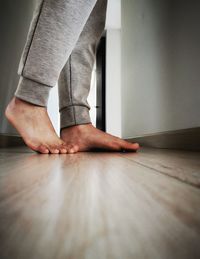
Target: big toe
[127, 146]
[43, 150]
[73, 149]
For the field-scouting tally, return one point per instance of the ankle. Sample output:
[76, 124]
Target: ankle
[78, 128]
[17, 102]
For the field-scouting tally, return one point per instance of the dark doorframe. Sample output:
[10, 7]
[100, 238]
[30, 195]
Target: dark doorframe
[101, 84]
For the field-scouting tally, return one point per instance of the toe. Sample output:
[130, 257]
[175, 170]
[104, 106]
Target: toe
[76, 148]
[72, 149]
[42, 149]
[63, 149]
[54, 150]
[127, 146]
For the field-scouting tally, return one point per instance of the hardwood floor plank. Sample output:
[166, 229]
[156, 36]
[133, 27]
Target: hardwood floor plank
[183, 165]
[93, 205]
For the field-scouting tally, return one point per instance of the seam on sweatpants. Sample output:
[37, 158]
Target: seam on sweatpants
[33, 34]
[76, 105]
[71, 95]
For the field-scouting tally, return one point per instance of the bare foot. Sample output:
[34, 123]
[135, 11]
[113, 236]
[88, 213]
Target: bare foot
[88, 138]
[33, 124]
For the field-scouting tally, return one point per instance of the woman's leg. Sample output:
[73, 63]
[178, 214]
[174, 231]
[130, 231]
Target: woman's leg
[74, 86]
[54, 31]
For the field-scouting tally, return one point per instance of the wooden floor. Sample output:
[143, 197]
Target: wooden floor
[100, 205]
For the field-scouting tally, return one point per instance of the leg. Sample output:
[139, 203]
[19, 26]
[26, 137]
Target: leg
[75, 77]
[74, 85]
[54, 31]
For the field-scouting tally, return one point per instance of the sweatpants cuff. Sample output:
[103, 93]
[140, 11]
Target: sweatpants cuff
[74, 115]
[32, 92]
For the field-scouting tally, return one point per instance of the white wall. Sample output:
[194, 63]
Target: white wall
[53, 108]
[15, 17]
[113, 18]
[113, 82]
[160, 66]
[113, 68]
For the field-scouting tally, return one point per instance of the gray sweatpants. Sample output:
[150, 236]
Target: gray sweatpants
[61, 47]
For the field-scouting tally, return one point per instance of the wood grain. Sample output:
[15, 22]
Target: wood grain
[93, 205]
[183, 165]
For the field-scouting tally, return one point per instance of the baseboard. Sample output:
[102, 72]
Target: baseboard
[7, 140]
[186, 139]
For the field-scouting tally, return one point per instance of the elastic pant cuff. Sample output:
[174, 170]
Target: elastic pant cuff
[32, 92]
[74, 115]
